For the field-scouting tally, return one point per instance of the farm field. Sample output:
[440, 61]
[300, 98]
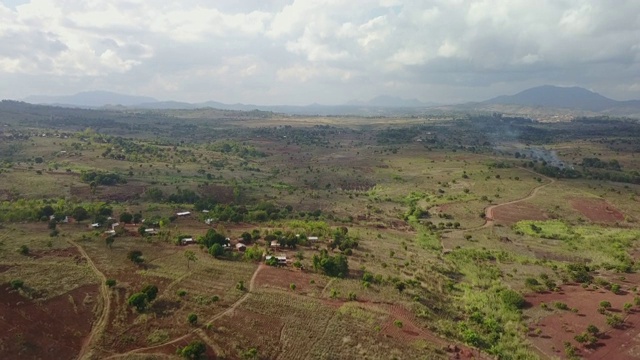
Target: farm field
[185, 234]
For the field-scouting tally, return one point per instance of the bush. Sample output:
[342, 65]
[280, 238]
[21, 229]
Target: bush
[192, 319]
[292, 286]
[110, 283]
[195, 350]
[17, 284]
[615, 288]
[605, 304]
[512, 299]
[139, 300]
[560, 305]
[23, 250]
[181, 293]
[336, 266]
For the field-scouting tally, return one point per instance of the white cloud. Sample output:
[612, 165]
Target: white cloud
[332, 49]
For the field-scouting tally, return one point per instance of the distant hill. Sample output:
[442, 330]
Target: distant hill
[90, 99]
[560, 97]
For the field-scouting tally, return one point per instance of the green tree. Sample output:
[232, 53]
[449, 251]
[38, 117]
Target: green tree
[138, 300]
[190, 256]
[47, 211]
[135, 256]
[154, 194]
[216, 250]
[137, 218]
[151, 291]
[336, 266]
[80, 213]
[192, 319]
[195, 350]
[126, 217]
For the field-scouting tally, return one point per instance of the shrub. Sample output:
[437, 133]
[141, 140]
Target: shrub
[615, 288]
[292, 286]
[240, 286]
[23, 250]
[614, 321]
[512, 299]
[17, 284]
[195, 350]
[560, 305]
[593, 330]
[192, 319]
[398, 323]
[139, 300]
[215, 298]
[110, 283]
[181, 293]
[352, 296]
[605, 304]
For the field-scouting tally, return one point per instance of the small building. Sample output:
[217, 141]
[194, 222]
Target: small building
[110, 232]
[113, 226]
[151, 231]
[241, 247]
[205, 211]
[183, 213]
[208, 221]
[95, 225]
[274, 244]
[187, 241]
[282, 259]
[312, 238]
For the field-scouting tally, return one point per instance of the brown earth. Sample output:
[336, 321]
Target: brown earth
[560, 326]
[220, 193]
[51, 329]
[282, 278]
[597, 210]
[512, 213]
[123, 192]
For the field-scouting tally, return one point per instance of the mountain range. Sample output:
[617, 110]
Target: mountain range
[546, 97]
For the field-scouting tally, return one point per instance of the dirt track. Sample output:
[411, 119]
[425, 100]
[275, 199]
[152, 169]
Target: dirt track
[98, 327]
[198, 332]
[488, 211]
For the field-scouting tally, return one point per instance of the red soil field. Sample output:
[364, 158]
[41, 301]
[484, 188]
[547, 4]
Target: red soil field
[559, 326]
[51, 329]
[512, 213]
[597, 210]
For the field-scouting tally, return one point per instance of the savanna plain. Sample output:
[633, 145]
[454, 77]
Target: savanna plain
[254, 235]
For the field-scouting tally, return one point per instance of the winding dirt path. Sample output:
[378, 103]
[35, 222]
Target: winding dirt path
[99, 326]
[488, 211]
[199, 332]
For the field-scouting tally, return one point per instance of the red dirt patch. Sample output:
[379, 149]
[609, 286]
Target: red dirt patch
[559, 326]
[597, 210]
[51, 329]
[512, 213]
[4, 268]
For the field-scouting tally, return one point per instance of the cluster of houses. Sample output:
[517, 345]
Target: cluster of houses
[239, 245]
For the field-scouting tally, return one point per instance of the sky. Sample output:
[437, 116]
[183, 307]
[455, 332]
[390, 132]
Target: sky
[297, 52]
